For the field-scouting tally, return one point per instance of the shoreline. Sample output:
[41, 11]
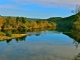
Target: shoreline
[12, 37]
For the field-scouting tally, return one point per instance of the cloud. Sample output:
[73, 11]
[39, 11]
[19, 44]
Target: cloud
[49, 2]
[14, 7]
[8, 6]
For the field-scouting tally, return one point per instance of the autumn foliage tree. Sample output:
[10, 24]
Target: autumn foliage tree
[77, 22]
[24, 23]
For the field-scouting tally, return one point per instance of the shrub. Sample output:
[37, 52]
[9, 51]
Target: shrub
[2, 34]
[8, 34]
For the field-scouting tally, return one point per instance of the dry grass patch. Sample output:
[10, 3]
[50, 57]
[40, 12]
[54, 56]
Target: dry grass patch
[13, 36]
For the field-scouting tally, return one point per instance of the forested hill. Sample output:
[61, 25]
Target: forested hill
[64, 23]
[10, 22]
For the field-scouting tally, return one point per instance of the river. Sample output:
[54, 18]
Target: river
[43, 45]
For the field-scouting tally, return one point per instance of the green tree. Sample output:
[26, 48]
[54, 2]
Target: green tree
[8, 20]
[22, 19]
[17, 20]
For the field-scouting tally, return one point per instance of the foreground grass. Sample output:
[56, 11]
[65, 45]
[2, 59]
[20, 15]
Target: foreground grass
[13, 36]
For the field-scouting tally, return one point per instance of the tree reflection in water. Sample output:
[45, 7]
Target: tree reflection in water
[76, 36]
[77, 57]
[8, 41]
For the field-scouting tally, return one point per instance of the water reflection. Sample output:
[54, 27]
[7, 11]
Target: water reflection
[41, 45]
[77, 57]
[16, 39]
[75, 35]
[8, 41]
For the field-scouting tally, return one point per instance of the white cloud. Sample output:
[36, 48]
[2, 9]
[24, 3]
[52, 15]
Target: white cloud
[68, 4]
[50, 2]
[7, 6]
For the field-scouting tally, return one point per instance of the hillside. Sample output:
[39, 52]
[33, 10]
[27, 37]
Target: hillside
[64, 23]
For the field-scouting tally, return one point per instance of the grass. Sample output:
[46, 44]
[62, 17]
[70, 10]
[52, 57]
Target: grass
[2, 34]
[13, 36]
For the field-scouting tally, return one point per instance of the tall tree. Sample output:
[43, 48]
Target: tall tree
[8, 20]
[17, 20]
[77, 23]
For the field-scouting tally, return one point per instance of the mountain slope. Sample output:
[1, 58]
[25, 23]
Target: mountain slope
[64, 23]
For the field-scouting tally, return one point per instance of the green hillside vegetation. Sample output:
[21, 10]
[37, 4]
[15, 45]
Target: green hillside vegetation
[68, 23]
[64, 23]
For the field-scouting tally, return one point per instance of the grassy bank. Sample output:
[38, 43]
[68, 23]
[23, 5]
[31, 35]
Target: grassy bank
[13, 36]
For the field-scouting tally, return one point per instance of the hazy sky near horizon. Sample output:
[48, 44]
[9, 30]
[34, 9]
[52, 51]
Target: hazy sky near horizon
[38, 8]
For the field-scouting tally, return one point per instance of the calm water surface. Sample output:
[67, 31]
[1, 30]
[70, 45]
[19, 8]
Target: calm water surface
[44, 45]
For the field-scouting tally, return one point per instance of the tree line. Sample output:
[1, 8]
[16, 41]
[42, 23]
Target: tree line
[23, 23]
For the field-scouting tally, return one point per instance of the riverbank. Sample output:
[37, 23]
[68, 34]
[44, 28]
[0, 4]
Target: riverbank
[12, 37]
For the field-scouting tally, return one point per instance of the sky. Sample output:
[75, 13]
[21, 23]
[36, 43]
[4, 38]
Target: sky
[38, 8]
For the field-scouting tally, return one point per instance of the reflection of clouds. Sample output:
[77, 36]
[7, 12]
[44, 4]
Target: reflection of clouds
[42, 48]
[39, 51]
[46, 57]
[39, 48]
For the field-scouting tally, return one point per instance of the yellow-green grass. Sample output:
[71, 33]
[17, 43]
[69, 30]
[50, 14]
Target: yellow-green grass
[13, 36]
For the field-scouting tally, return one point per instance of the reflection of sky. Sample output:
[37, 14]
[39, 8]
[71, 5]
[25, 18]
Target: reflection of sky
[49, 35]
[47, 46]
